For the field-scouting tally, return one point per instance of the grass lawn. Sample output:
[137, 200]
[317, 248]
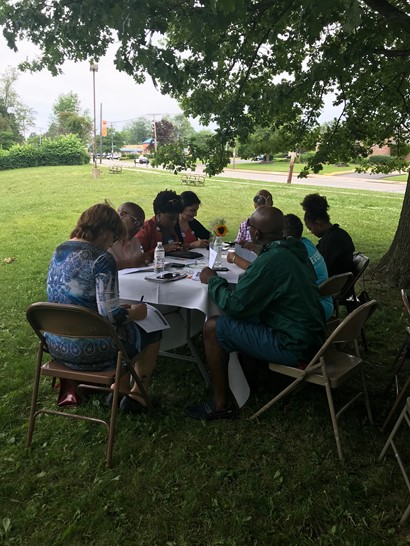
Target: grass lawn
[397, 178]
[283, 167]
[178, 482]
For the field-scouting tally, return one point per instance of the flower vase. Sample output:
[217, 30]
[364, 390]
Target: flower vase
[217, 246]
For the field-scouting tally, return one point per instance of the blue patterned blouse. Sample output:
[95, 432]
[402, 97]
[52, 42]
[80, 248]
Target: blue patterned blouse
[80, 273]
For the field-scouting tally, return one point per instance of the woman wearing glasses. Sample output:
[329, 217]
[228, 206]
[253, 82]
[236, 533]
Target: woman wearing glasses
[191, 233]
[82, 272]
[128, 252]
[161, 227]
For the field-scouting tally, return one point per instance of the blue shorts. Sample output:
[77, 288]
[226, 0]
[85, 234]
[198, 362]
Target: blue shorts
[253, 339]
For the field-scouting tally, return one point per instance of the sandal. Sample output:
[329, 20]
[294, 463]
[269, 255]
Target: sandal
[208, 412]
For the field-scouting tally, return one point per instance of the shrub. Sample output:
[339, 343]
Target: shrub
[382, 159]
[66, 150]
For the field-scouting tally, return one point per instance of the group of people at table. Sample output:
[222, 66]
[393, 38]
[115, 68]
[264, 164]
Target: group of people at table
[274, 312]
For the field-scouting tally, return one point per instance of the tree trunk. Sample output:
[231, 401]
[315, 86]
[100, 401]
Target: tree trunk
[394, 266]
[291, 165]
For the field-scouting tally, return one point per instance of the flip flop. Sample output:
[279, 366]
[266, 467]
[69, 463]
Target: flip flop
[208, 412]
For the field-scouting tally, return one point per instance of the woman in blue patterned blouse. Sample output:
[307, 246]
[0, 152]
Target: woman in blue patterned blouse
[82, 272]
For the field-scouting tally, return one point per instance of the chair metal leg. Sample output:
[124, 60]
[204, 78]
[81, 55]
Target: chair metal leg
[289, 388]
[396, 404]
[114, 406]
[366, 398]
[34, 397]
[333, 416]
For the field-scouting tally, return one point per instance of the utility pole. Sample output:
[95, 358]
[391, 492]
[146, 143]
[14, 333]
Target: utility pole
[95, 172]
[100, 133]
[154, 128]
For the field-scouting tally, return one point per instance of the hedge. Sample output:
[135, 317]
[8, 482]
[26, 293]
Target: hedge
[66, 150]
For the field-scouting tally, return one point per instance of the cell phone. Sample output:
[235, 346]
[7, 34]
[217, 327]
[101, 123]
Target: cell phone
[220, 269]
[177, 265]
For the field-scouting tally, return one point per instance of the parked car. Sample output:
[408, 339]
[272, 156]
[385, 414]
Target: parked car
[143, 160]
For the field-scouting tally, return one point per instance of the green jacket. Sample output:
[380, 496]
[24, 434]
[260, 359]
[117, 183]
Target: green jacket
[279, 290]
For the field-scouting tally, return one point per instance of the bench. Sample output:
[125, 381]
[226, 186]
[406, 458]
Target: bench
[193, 179]
[115, 169]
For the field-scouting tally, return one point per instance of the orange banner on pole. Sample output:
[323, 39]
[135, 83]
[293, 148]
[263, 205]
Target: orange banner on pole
[103, 128]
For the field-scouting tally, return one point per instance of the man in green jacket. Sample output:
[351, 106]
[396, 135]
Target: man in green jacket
[272, 314]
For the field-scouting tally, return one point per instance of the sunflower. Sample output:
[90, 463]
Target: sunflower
[219, 228]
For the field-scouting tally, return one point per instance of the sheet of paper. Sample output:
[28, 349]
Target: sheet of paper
[212, 257]
[245, 253]
[154, 320]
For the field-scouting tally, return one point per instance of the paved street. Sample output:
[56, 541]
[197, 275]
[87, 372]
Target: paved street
[357, 181]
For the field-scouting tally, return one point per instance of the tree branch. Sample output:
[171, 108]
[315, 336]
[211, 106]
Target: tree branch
[393, 15]
[393, 52]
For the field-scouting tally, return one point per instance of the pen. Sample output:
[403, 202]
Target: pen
[142, 299]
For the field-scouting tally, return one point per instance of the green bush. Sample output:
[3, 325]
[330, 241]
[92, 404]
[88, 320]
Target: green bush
[382, 159]
[305, 156]
[66, 150]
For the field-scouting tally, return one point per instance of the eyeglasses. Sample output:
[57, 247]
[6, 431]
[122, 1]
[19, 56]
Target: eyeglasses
[249, 225]
[136, 220]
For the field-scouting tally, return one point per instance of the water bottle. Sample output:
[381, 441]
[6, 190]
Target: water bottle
[218, 249]
[159, 258]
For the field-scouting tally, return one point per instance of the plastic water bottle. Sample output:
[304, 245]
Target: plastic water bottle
[218, 249]
[159, 258]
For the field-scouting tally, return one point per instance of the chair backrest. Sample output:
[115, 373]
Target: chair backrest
[69, 321]
[333, 286]
[360, 262]
[348, 330]
[405, 294]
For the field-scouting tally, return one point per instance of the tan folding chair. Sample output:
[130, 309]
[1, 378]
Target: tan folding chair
[331, 367]
[404, 417]
[73, 321]
[401, 358]
[334, 286]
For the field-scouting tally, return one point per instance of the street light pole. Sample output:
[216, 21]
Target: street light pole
[96, 172]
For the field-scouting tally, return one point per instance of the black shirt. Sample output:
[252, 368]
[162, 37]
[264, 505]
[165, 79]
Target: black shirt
[336, 247]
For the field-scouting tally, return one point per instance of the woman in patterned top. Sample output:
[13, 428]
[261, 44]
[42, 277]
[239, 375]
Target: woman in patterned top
[82, 272]
[263, 197]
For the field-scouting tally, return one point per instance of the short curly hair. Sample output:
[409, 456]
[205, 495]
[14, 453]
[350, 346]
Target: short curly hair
[168, 201]
[315, 207]
[97, 220]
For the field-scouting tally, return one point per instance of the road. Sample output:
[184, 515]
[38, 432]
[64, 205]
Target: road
[357, 181]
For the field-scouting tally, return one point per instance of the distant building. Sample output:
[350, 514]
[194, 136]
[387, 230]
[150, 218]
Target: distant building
[138, 149]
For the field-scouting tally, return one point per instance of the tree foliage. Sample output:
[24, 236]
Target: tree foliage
[137, 131]
[15, 117]
[68, 118]
[244, 63]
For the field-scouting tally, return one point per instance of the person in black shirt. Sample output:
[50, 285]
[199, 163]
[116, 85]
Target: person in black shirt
[335, 244]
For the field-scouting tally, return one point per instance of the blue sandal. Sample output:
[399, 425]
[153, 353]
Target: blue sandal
[208, 412]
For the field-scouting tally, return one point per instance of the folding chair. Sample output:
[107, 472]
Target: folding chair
[402, 356]
[331, 367]
[334, 286]
[73, 321]
[404, 416]
[348, 297]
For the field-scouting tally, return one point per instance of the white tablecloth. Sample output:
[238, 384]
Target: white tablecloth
[184, 293]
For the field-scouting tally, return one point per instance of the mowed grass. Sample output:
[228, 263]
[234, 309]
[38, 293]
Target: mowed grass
[176, 481]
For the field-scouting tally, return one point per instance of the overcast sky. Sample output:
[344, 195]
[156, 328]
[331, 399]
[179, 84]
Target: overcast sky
[122, 99]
